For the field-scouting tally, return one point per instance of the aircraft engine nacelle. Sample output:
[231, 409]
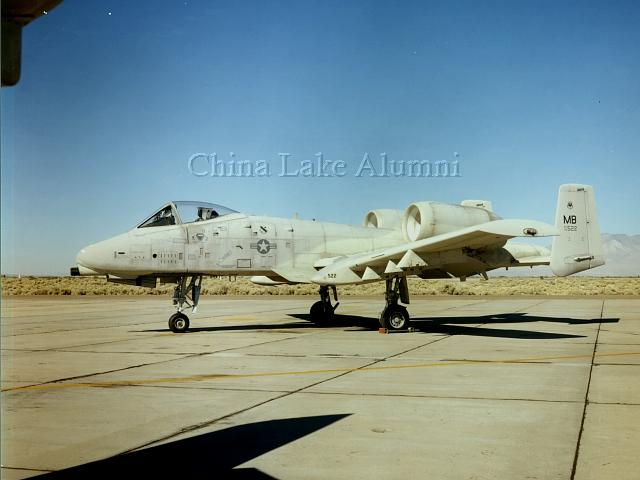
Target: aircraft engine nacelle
[384, 218]
[426, 219]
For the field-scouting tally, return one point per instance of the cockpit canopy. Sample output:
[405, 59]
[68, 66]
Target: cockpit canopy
[177, 213]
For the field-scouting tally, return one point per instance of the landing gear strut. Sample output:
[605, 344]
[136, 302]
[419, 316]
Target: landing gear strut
[321, 312]
[395, 316]
[185, 295]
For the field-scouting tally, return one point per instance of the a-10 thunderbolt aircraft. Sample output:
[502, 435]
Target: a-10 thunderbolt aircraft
[184, 241]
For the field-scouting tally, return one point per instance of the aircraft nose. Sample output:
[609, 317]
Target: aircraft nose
[96, 256]
[99, 257]
[85, 256]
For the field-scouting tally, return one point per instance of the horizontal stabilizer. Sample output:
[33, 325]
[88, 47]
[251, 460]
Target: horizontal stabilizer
[528, 255]
[534, 261]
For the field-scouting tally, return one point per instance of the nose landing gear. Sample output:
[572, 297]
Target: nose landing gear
[185, 295]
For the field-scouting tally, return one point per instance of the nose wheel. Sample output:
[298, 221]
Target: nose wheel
[185, 295]
[178, 322]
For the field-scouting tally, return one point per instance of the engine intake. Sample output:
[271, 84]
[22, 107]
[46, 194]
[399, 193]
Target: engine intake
[384, 218]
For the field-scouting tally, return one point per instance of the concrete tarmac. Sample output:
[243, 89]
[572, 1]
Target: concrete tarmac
[486, 388]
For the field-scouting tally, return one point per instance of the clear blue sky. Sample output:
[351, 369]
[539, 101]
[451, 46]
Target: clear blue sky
[115, 96]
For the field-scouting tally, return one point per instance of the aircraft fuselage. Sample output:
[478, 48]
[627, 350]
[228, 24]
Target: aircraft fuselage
[235, 244]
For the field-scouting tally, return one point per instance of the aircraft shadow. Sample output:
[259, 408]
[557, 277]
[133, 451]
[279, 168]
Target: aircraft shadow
[234, 328]
[519, 317]
[457, 325]
[491, 332]
[210, 455]
[445, 325]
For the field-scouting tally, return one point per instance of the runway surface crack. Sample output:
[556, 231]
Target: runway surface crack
[586, 397]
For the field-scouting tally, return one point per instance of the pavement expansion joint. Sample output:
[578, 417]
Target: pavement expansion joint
[440, 397]
[586, 399]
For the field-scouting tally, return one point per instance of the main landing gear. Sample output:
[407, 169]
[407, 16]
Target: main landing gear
[185, 295]
[395, 316]
[321, 312]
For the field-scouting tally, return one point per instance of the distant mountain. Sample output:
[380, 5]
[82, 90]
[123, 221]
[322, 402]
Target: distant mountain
[622, 254]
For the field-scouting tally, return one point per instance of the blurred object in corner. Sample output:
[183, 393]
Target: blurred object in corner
[15, 15]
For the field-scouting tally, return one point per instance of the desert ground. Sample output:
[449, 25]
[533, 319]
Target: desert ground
[499, 286]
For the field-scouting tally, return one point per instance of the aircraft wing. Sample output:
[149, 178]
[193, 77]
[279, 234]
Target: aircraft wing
[407, 257]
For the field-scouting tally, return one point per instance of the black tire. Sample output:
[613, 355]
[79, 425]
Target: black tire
[178, 323]
[320, 314]
[395, 317]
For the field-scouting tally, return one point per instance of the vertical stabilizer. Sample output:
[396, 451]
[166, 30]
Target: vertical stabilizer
[578, 246]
